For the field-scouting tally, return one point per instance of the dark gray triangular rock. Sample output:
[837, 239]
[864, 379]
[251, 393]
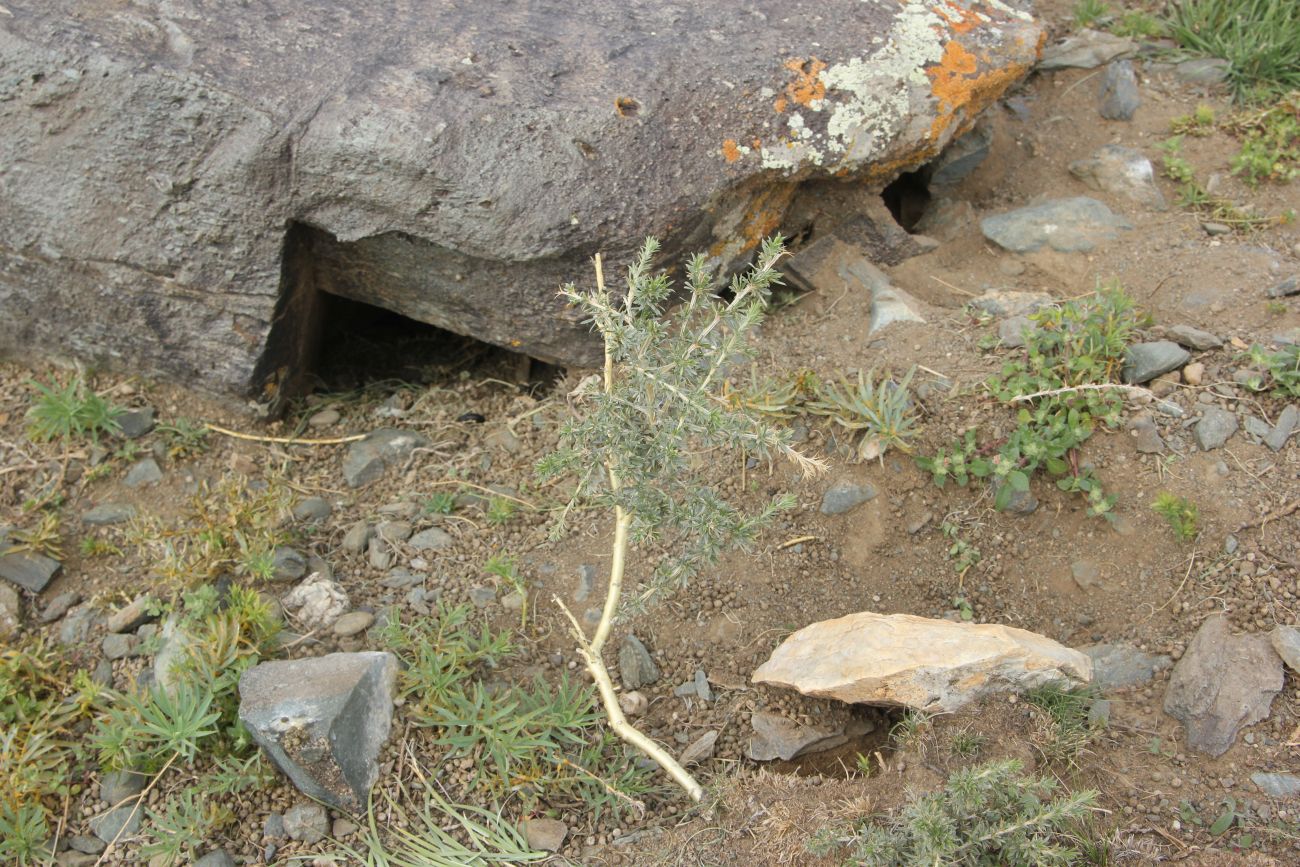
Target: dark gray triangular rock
[323, 720]
[1223, 683]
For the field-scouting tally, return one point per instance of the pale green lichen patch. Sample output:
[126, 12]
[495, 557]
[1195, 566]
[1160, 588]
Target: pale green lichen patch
[854, 113]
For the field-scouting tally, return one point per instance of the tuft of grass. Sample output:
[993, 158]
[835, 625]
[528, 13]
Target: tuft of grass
[882, 410]
[966, 744]
[1260, 39]
[440, 834]
[1066, 730]
[44, 700]
[440, 503]
[1088, 13]
[231, 526]
[1179, 512]
[45, 537]
[1138, 24]
[500, 510]
[538, 743]
[990, 814]
[69, 412]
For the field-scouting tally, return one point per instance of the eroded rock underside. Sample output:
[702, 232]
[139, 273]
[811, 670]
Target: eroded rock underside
[180, 181]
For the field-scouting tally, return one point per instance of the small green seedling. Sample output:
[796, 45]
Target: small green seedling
[1179, 512]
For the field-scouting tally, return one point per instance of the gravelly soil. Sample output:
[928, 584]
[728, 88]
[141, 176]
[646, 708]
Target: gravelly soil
[887, 555]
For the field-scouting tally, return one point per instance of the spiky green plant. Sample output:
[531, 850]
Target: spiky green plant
[989, 814]
[70, 411]
[662, 401]
[882, 410]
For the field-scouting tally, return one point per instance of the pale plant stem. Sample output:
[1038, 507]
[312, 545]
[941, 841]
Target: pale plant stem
[618, 722]
[1103, 386]
[591, 650]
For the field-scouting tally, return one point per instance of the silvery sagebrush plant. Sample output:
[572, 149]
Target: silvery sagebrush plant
[641, 429]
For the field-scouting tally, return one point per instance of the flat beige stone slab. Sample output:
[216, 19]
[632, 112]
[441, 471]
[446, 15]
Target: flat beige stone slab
[918, 662]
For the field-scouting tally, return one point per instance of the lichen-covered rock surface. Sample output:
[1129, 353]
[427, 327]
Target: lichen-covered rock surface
[182, 180]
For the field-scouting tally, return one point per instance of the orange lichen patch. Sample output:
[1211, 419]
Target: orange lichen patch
[730, 152]
[779, 104]
[960, 19]
[807, 86]
[762, 217]
[959, 84]
[757, 143]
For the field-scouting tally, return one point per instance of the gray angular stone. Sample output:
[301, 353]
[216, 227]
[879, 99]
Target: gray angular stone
[1074, 225]
[1086, 574]
[1286, 641]
[779, 737]
[75, 627]
[1194, 338]
[1257, 427]
[432, 539]
[1119, 95]
[1222, 683]
[273, 827]
[1118, 666]
[306, 822]
[357, 537]
[86, 845]
[1284, 786]
[962, 156]
[1207, 71]
[59, 605]
[118, 646]
[482, 596]
[844, 495]
[1143, 362]
[288, 564]
[136, 423]
[352, 623]
[545, 835]
[1288, 421]
[1011, 332]
[368, 459]
[72, 858]
[1289, 286]
[323, 720]
[1122, 171]
[393, 531]
[132, 616]
[108, 513]
[1215, 427]
[116, 786]
[145, 472]
[1004, 302]
[359, 149]
[217, 858]
[29, 569]
[11, 612]
[1146, 436]
[1086, 49]
[312, 510]
[702, 688]
[636, 667]
[117, 823]
[1019, 503]
[700, 749]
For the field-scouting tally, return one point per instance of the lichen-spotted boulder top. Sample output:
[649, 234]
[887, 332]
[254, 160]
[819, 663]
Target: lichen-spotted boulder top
[196, 173]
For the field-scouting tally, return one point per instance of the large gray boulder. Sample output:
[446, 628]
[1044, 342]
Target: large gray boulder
[323, 720]
[183, 184]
